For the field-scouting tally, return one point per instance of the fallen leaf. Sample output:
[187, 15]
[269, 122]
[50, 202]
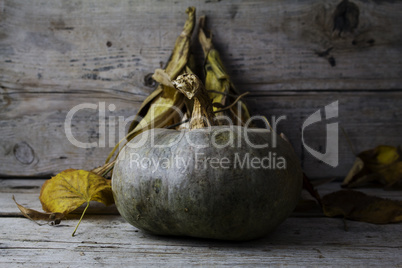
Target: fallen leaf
[382, 164]
[71, 188]
[35, 216]
[358, 206]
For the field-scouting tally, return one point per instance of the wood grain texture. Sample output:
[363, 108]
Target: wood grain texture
[111, 242]
[369, 119]
[107, 240]
[56, 55]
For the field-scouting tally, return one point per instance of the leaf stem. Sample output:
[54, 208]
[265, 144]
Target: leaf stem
[231, 105]
[192, 87]
[82, 215]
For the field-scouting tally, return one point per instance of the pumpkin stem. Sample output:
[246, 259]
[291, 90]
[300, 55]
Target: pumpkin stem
[192, 87]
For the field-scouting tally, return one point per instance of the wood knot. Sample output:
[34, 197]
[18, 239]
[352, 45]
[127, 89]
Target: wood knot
[24, 153]
[149, 81]
[346, 18]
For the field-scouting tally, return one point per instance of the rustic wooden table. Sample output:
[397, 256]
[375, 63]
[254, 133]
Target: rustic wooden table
[105, 239]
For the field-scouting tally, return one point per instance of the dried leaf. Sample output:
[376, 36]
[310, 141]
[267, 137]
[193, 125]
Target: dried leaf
[391, 176]
[158, 109]
[162, 77]
[382, 164]
[71, 188]
[217, 81]
[352, 178]
[358, 206]
[35, 216]
[164, 105]
[104, 170]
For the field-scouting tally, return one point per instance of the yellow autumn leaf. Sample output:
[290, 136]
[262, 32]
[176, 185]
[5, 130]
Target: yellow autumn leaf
[71, 188]
[382, 164]
[358, 206]
[386, 155]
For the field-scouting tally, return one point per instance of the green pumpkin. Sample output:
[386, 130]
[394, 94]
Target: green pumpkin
[210, 182]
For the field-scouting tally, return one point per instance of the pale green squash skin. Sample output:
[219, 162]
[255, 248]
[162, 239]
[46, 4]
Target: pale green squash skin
[218, 203]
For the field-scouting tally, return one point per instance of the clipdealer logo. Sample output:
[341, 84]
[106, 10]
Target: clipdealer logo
[331, 155]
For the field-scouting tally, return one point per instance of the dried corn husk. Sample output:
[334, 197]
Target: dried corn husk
[217, 81]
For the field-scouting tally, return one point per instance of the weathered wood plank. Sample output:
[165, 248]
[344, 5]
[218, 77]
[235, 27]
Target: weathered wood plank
[36, 121]
[98, 45]
[54, 56]
[109, 241]
[369, 119]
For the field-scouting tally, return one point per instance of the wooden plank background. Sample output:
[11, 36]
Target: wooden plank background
[57, 54]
